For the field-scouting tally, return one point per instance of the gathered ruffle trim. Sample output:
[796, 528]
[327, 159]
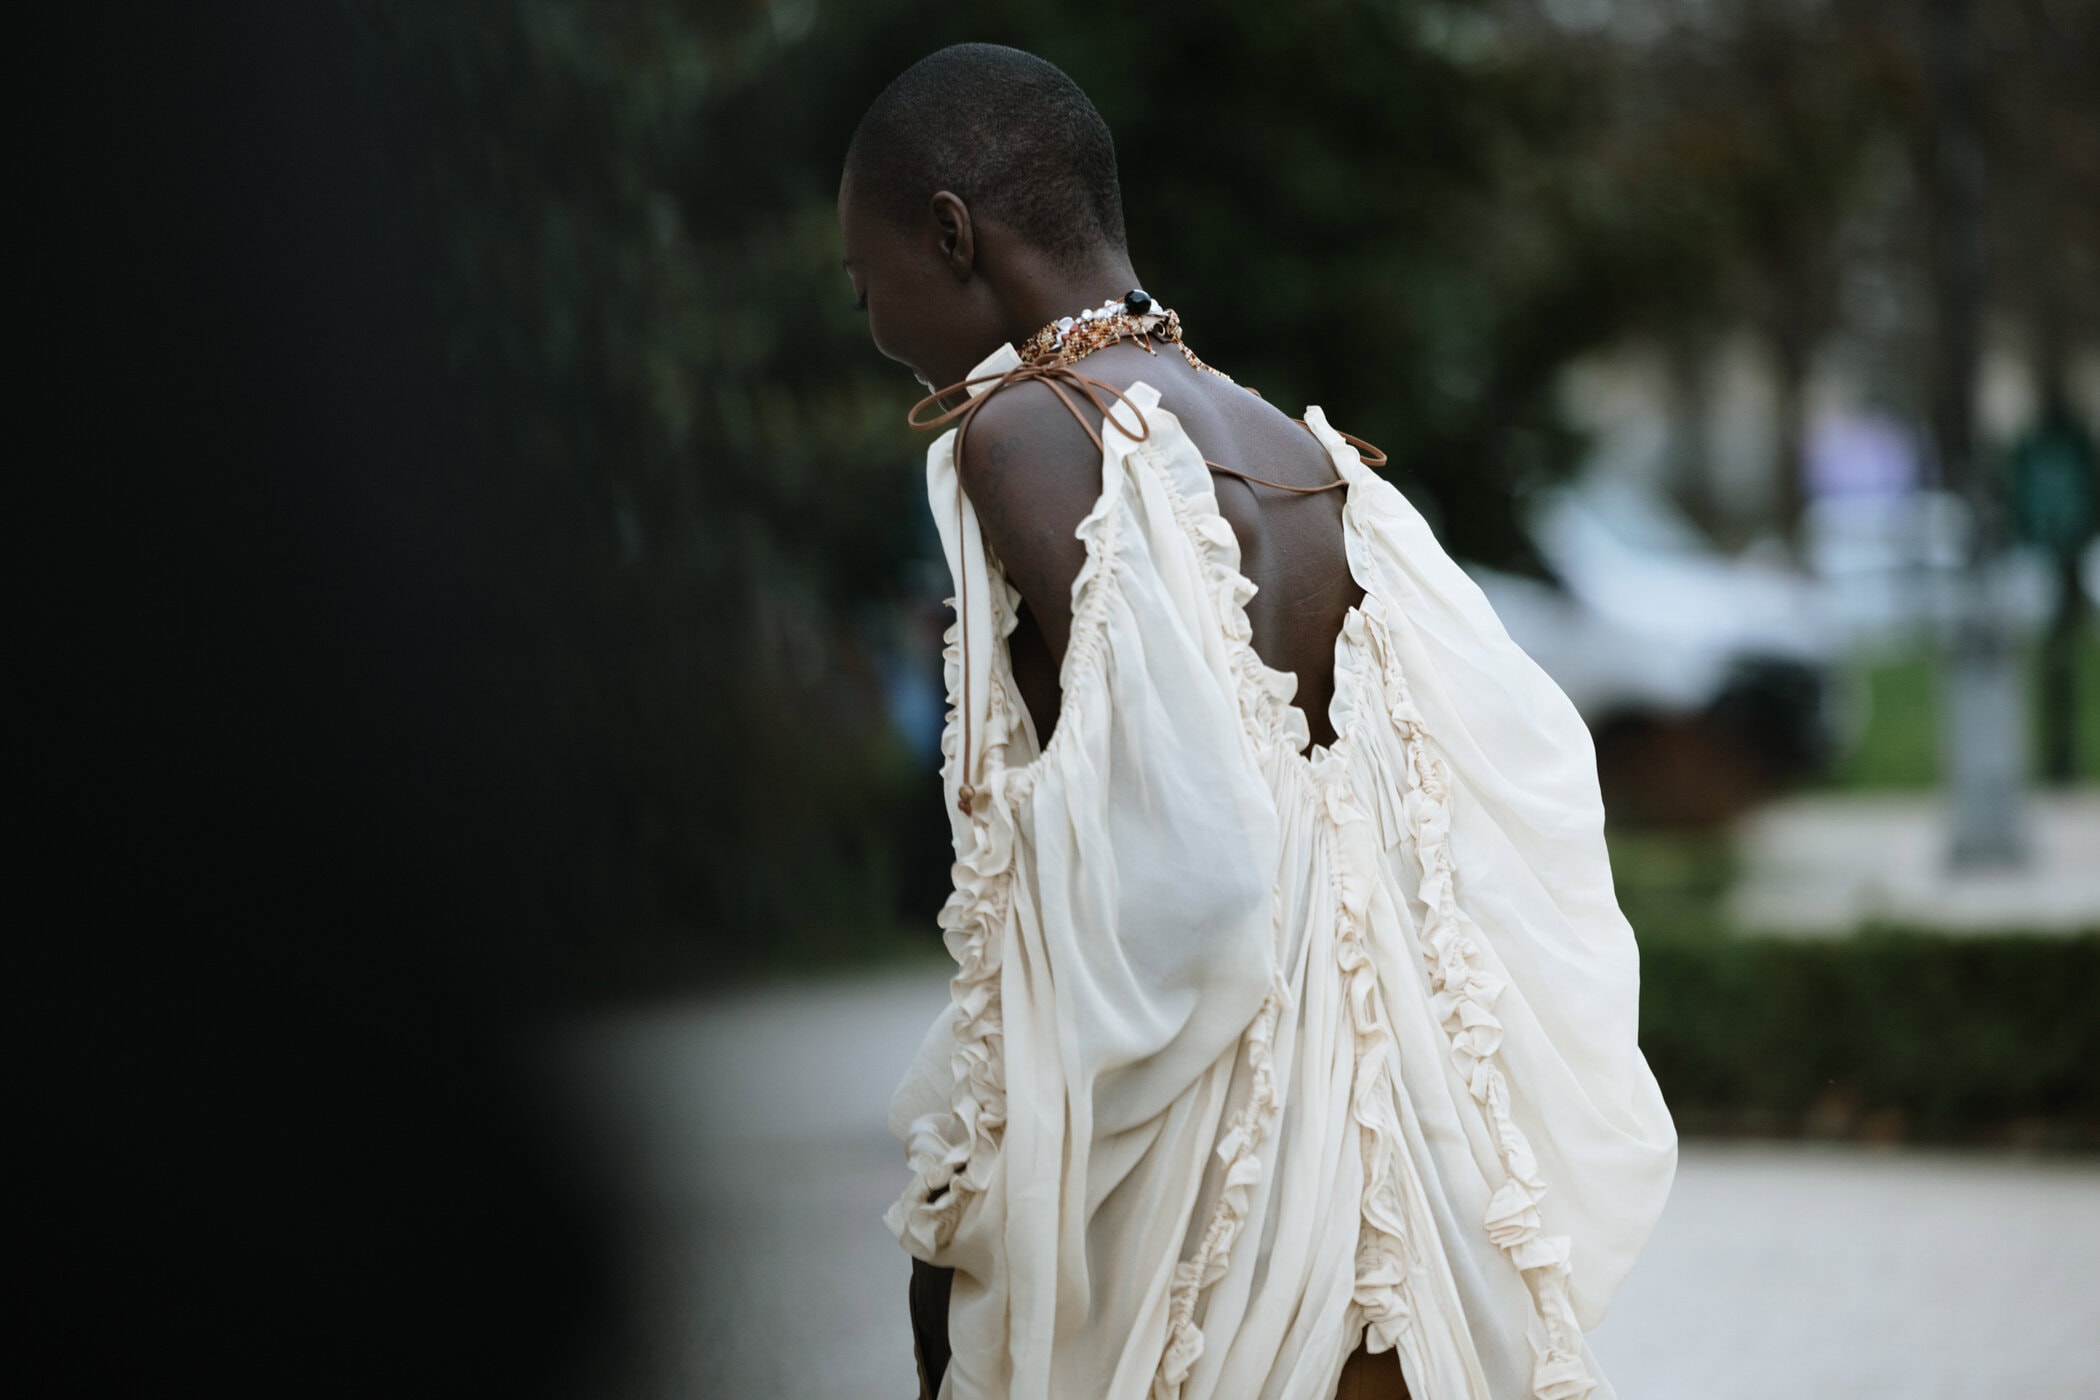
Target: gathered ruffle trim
[950, 1154]
[1266, 710]
[1265, 693]
[1240, 1150]
[1464, 993]
[1385, 1261]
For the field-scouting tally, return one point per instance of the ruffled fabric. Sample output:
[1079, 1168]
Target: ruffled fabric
[1239, 1152]
[1384, 1259]
[1465, 993]
[1270, 720]
[1385, 1263]
[950, 1154]
[1265, 693]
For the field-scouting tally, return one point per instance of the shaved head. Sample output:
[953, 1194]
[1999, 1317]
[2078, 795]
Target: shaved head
[1008, 134]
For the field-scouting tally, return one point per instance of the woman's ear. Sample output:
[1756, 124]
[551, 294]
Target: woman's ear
[957, 236]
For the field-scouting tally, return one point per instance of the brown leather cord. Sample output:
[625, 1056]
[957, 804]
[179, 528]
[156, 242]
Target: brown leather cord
[1054, 377]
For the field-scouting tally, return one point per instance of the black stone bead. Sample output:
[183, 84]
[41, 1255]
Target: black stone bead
[1138, 302]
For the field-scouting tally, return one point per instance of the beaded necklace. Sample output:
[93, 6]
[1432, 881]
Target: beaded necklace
[1135, 316]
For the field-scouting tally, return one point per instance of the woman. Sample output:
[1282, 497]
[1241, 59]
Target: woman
[1293, 1027]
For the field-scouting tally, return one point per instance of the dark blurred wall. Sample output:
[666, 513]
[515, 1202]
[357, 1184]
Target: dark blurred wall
[300, 843]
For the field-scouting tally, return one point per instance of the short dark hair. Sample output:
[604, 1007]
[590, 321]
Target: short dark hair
[1005, 131]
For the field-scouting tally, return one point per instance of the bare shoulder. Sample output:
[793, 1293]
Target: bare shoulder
[1021, 425]
[1032, 473]
[1025, 439]
[1032, 469]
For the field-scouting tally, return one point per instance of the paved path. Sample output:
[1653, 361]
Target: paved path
[751, 1133]
[1819, 864]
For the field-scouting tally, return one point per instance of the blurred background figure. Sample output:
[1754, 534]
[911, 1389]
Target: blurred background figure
[2056, 506]
[1747, 354]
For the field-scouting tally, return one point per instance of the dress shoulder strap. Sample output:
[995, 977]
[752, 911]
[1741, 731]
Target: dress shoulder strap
[1056, 377]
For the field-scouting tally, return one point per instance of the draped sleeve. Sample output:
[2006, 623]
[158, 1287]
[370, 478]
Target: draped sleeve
[1113, 925]
[1485, 782]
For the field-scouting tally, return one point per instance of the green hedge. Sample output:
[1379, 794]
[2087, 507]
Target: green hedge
[1889, 1034]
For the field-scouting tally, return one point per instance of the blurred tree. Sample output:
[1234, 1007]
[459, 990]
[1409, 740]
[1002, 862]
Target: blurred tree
[1413, 214]
[1738, 144]
[2040, 122]
[643, 316]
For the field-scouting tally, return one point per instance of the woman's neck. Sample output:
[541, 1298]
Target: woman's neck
[1057, 292]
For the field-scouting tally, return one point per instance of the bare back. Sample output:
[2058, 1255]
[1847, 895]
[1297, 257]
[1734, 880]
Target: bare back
[1291, 546]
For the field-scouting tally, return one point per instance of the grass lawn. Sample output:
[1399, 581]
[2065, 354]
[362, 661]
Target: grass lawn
[1900, 747]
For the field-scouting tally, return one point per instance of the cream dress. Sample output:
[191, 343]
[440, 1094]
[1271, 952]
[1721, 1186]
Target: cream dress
[1253, 1054]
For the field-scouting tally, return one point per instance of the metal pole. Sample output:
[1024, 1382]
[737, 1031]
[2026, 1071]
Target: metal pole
[1983, 710]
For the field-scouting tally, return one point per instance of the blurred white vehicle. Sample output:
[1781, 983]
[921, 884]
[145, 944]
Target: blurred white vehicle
[1889, 565]
[1678, 655]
